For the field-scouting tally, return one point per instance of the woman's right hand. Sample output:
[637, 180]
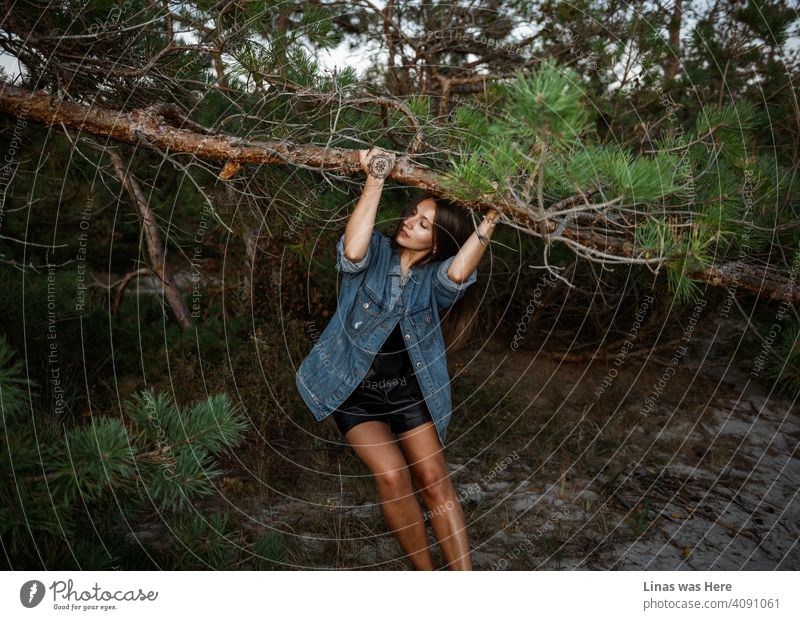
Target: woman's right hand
[376, 162]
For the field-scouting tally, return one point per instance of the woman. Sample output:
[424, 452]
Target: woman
[379, 366]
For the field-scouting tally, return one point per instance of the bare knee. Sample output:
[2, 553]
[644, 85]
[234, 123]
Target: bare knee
[435, 484]
[395, 483]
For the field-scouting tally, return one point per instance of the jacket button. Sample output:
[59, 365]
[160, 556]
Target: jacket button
[366, 305]
[419, 364]
[408, 336]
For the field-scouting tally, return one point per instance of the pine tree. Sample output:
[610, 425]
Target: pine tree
[679, 207]
[66, 492]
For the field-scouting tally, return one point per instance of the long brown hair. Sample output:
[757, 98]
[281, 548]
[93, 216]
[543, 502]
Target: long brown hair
[452, 226]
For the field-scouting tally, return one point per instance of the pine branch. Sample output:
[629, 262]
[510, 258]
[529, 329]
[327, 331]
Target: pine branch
[149, 127]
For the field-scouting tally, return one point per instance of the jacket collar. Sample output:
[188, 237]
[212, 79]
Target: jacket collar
[394, 269]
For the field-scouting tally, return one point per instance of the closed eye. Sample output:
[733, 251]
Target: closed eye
[414, 212]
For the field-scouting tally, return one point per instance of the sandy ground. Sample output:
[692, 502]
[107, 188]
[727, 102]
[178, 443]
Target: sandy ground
[551, 478]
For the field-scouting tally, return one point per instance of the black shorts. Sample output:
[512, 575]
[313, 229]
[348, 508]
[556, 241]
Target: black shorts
[388, 392]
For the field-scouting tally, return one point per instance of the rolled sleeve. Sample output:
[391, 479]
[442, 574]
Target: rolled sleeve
[345, 265]
[445, 291]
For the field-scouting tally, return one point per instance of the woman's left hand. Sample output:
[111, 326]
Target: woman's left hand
[492, 214]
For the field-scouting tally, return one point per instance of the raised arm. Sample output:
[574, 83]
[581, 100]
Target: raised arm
[377, 163]
[467, 258]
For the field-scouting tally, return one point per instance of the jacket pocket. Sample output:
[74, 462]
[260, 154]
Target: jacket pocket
[365, 311]
[423, 323]
[421, 316]
[429, 335]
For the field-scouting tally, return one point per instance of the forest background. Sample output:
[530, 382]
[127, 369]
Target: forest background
[175, 177]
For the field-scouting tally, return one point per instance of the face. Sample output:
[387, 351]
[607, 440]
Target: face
[417, 230]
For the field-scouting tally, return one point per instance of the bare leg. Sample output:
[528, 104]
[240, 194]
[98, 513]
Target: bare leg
[426, 460]
[375, 445]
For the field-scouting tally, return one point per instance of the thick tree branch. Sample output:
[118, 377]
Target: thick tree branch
[150, 126]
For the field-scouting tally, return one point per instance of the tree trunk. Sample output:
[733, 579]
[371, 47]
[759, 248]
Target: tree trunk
[673, 60]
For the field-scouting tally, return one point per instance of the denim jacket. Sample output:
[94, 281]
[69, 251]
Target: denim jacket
[371, 302]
